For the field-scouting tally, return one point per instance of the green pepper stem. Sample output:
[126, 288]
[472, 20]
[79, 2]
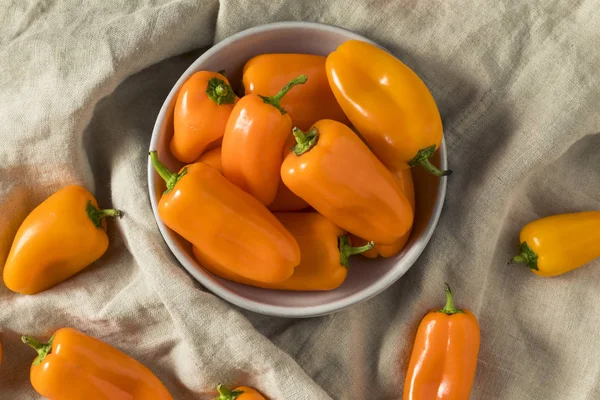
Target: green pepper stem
[527, 257]
[226, 393]
[171, 178]
[95, 214]
[276, 100]
[220, 92]
[346, 249]
[304, 141]
[422, 159]
[449, 308]
[41, 348]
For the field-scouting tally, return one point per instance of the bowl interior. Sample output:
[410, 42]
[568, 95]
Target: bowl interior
[366, 277]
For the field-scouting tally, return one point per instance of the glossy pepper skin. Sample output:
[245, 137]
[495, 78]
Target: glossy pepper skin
[325, 250]
[59, 238]
[404, 179]
[388, 103]
[267, 73]
[239, 393]
[255, 135]
[335, 172]
[444, 358]
[75, 366]
[203, 106]
[229, 228]
[557, 244]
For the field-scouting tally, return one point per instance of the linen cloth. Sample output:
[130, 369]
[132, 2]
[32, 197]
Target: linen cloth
[518, 87]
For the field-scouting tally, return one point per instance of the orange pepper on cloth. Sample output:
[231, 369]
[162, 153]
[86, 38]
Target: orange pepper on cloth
[240, 393]
[325, 250]
[557, 244]
[203, 106]
[335, 172]
[253, 143]
[74, 366]
[59, 238]
[213, 158]
[388, 103]
[404, 179]
[267, 73]
[229, 228]
[444, 358]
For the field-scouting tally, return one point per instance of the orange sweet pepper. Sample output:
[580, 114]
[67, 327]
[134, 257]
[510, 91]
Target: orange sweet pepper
[267, 73]
[229, 228]
[388, 103]
[404, 179]
[203, 106]
[59, 238]
[335, 172]
[285, 200]
[240, 393]
[213, 158]
[325, 250]
[74, 366]
[444, 358]
[560, 243]
[253, 143]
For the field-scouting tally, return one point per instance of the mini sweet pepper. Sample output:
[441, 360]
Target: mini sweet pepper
[388, 103]
[75, 366]
[444, 358]
[201, 111]
[560, 243]
[284, 200]
[255, 135]
[325, 250]
[265, 74]
[229, 228]
[213, 158]
[404, 179]
[335, 172]
[59, 238]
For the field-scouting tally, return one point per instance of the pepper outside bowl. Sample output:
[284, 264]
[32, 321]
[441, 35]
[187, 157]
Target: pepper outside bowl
[366, 277]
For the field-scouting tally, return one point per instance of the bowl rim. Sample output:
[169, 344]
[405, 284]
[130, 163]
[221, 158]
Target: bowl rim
[367, 293]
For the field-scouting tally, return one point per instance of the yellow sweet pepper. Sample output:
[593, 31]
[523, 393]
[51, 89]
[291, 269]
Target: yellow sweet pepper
[387, 103]
[560, 243]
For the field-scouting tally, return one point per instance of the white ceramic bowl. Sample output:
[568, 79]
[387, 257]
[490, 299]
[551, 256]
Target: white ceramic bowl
[366, 278]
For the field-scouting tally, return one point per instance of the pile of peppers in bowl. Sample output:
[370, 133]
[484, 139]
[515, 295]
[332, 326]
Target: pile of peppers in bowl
[311, 166]
[280, 187]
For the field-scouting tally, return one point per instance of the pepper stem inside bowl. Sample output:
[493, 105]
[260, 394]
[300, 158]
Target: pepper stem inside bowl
[276, 100]
[171, 178]
[422, 159]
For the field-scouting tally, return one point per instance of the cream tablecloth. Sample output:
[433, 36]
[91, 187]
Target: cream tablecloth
[518, 87]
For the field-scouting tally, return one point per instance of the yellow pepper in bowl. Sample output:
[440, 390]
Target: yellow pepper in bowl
[387, 103]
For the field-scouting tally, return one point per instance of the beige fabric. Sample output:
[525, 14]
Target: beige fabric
[518, 87]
